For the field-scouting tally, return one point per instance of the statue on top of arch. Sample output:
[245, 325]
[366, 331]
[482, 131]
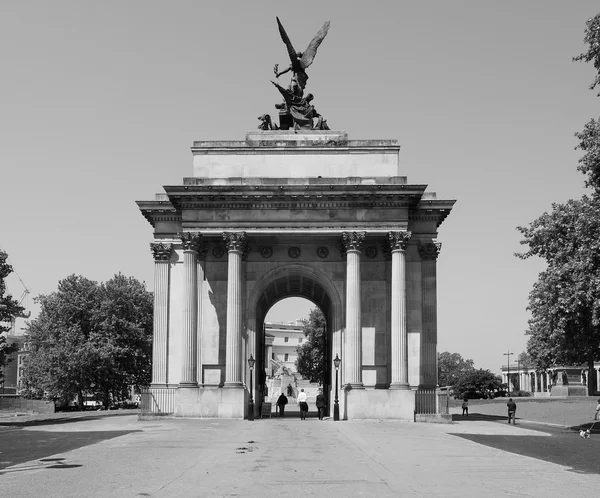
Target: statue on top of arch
[296, 110]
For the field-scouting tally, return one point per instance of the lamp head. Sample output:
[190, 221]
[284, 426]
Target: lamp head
[337, 362]
[251, 362]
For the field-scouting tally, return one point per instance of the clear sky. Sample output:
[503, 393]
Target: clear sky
[100, 102]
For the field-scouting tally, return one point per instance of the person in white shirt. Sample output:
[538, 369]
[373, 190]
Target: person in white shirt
[303, 404]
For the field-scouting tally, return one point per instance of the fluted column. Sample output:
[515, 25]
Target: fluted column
[237, 246]
[352, 244]
[429, 252]
[398, 242]
[192, 245]
[160, 333]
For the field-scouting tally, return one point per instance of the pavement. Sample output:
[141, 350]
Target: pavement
[121, 456]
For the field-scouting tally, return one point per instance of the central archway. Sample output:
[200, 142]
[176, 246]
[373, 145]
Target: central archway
[295, 280]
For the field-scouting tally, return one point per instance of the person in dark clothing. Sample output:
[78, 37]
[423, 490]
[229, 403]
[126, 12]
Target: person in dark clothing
[290, 390]
[281, 402]
[512, 410]
[321, 404]
[465, 407]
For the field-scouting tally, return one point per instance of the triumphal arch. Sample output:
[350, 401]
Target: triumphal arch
[294, 210]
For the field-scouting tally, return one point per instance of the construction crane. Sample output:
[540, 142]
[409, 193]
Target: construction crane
[23, 301]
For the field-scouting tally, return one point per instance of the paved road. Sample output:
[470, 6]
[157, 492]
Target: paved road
[291, 457]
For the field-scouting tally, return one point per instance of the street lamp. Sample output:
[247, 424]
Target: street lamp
[336, 406]
[251, 361]
[508, 370]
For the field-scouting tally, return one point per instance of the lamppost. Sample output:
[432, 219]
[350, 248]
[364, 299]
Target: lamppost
[336, 406]
[251, 361]
[508, 370]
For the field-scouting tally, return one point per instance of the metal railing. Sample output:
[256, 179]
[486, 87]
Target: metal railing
[158, 400]
[431, 402]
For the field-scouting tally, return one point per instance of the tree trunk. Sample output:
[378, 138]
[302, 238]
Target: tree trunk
[591, 376]
[80, 400]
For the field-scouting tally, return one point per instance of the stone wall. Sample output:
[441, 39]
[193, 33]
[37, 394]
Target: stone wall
[26, 405]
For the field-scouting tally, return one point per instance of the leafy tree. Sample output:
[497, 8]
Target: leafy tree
[311, 355]
[480, 381]
[565, 301]
[452, 367]
[91, 338]
[9, 308]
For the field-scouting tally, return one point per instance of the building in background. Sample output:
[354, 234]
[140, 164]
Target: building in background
[282, 339]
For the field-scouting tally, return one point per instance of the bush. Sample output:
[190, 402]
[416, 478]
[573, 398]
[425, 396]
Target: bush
[518, 394]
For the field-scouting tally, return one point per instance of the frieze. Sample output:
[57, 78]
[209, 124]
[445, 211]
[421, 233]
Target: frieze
[322, 252]
[161, 251]
[192, 241]
[294, 252]
[371, 252]
[266, 252]
[218, 252]
[353, 241]
[398, 240]
[429, 250]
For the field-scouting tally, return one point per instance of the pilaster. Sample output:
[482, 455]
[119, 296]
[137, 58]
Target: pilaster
[398, 242]
[162, 264]
[192, 246]
[429, 252]
[237, 247]
[352, 244]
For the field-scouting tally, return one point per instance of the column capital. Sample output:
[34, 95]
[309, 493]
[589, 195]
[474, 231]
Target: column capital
[236, 241]
[192, 241]
[429, 250]
[353, 241]
[161, 251]
[398, 241]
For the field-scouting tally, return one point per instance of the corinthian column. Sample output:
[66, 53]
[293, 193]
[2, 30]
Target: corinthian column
[429, 252]
[237, 246]
[352, 244]
[160, 333]
[398, 242]
[192, 245]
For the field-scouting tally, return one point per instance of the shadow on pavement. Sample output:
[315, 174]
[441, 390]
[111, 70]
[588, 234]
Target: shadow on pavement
[475, 417]
[559, 445]
[20, 446]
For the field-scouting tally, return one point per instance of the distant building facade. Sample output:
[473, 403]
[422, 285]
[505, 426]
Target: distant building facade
[282, 340]
[529, 379]
[13, 371]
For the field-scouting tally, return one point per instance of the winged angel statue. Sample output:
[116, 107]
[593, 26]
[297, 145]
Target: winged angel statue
[297, 111]
[300, 60]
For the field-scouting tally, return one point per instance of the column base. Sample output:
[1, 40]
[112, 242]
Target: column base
[400, 386]
[188, 385]
[234, 385]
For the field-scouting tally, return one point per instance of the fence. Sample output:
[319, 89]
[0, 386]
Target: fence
[431, 402]
[158, 400]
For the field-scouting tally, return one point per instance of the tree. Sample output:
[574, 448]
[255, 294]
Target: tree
[565, 301]
[451, 368]
[311, 355]
[91, 338]
[9, 308]
[480, 382]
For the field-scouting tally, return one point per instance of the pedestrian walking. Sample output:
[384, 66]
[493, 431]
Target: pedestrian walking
[303, 404]
[597, 414]
[321, 404]
[512, 410]
[465, 408]
[281, 402]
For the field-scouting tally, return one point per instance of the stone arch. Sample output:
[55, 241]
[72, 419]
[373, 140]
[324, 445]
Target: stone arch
[294, 280]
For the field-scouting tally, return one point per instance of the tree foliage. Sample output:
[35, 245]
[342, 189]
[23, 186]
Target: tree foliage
[9, 308]
[91, 338]
[311, 355]
[565, 301]
[480, 382]
[452, 367]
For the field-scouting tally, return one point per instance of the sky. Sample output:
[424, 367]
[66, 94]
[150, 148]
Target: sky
[101, 101]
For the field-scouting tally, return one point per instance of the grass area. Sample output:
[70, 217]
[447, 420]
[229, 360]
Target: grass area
[570, 412]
